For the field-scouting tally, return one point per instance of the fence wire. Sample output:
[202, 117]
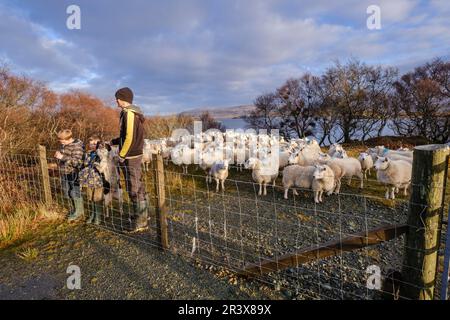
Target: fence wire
[239, 230]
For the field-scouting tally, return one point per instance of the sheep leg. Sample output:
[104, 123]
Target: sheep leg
[286, 190]
[393, 193]
[260, 189]
[265, 188]
[405, 193]
[320, 195]
[294, 192]
[217, 185]
[387, 195]
[337, 189]
[361, 179]
[316, 196]
[349, 180]
[222, 182]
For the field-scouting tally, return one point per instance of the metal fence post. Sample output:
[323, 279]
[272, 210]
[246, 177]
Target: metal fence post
[429, 173]
[45, 176]
[161, 209]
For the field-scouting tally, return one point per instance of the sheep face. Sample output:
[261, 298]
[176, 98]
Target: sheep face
[251, 163]
[293, 158]
[324, 157]
[363, 156]
[382, 163]
[319, 172]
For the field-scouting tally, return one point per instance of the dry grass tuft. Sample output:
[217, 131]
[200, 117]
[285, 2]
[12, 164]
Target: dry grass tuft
[28, 254]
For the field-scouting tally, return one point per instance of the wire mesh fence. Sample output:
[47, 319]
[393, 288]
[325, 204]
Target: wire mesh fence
[350, 246]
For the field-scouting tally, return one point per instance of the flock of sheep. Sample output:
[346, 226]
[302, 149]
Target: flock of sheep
[301, 161]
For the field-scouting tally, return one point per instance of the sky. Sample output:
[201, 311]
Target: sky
[179, 55]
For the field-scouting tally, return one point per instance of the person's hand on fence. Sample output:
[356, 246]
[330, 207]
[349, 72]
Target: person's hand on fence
[121, 160]
[58, 155]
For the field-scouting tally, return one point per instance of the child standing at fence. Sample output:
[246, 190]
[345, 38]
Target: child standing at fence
[91, 180]
[70, 158]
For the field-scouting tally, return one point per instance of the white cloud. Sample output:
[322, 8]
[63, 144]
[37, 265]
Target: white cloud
[180, 54]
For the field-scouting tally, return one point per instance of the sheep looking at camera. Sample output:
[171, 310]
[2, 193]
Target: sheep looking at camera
[262, 173]
[219, 171]
[366, 163]
[323, 181]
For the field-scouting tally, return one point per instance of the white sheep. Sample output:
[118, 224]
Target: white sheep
[323, 181]
[335, 147]
[304, 156]
[366, 163]
[350, 167]
[219, 171]
[395, 174]
[297, 176]
[262, 173]
[341, 154]
[337, 171]
[382, 151]
[396, 156]
[283, 159]
[182, 155]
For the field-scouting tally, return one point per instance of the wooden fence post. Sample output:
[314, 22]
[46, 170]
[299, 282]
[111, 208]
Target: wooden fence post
[45, 176]
[426, 208]
[161, 210]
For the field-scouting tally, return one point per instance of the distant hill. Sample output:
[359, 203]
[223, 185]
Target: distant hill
[221, 112]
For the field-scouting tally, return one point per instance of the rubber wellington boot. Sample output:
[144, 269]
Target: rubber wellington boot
[98, 209]
[79, 210]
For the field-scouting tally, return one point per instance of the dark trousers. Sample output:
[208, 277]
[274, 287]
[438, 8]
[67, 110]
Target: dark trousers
[71, 185]
[132, 171]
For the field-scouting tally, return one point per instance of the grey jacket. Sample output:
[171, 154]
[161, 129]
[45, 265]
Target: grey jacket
[72, 157]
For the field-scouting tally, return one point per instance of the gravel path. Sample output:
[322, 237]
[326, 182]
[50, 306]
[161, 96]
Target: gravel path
[112, 267]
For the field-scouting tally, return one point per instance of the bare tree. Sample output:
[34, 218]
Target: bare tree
[208, 122]
[422, 102]
[359, 94]
[265, 115]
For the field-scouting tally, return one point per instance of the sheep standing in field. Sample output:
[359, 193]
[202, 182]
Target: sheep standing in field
[338, 174]
[182, 155]
[395, 174]
[262, 173]
[350, 167]
[366, 163]
[382, 151]
[396, 156]
[283, 159]
[297, 176]
[304, 156]
[323, 181]
[219, 171]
